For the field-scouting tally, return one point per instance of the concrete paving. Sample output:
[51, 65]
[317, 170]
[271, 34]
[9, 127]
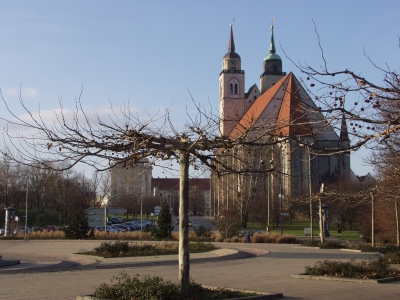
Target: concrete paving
[51, 269]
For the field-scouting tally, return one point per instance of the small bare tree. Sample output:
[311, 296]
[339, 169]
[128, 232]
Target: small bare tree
[125, 139]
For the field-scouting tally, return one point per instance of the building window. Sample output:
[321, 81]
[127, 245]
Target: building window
[231, 88]
[236, 89]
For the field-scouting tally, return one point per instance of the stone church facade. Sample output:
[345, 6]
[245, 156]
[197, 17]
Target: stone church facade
[302, 161]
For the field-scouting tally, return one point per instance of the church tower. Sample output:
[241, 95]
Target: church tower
[344, 158]
[272, 67]
[231, 89]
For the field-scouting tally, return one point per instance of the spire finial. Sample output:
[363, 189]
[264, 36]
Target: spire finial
[272, 44]
[231, 46]
[344, 134]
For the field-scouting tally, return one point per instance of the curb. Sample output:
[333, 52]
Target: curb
[343, 279]
[6, 263]
[259, 297]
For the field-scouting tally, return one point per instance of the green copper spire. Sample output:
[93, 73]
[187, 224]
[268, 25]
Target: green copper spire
[272, 49]
[272, 45]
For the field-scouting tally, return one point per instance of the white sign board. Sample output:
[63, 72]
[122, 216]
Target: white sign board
[157, 210]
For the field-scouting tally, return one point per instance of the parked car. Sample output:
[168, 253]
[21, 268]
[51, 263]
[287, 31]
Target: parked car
[111, 229]
[22, 229]
[50, 228]
[132, 225]
[118, 228]
[125, 226]
[116, 220]
[98, 228]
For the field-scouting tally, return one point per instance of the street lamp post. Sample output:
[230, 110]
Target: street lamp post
[310, 191]
[321, 224]
[309, 188]
[141, 212]
[269, 194]
[280, 198]
[26, 207]
[169, 200]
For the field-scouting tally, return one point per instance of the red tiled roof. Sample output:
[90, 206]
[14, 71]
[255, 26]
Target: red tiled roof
[256, 109]
[292, 117]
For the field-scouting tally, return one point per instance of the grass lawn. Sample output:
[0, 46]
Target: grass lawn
[297, 229]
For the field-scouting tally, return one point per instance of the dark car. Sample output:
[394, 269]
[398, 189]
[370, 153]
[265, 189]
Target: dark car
[50, 228]
[115, 220]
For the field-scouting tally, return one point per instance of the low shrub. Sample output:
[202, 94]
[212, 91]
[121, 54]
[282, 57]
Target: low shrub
[202, 232]
[150, 288]
[192, 236]
[132, 235]
[326, 244]
[263, 238]
[43, 235]
[287, 239]
[201, 247]
[365, 247]
[126, 249]
[371, 269]
[227, 240]
[219, 238]
[392, 257]
[235, 239]
[175, 236]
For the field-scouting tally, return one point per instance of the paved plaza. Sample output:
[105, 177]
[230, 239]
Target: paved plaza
[51, 269]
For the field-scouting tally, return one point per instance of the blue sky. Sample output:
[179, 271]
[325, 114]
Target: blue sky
[152, 53]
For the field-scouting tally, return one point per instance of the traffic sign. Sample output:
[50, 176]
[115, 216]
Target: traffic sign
[95, 211]
[116, 210]
[96, 218]
[110, 210]
[96, 223]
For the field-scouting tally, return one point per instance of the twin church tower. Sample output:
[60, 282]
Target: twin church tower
[234, 101]
[282, 102]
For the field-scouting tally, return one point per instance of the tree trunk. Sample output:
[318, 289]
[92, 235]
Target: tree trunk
[183, 225]
[310, 191]
[397, 222]
[373, 243]
[321, 222]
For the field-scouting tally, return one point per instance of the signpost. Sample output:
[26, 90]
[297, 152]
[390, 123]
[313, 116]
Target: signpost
[97, 216]
[157, 210]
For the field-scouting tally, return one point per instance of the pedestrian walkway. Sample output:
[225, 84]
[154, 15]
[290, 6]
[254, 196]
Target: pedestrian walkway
[257, 267]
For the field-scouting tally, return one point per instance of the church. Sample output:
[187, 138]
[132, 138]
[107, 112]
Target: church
[301, 161]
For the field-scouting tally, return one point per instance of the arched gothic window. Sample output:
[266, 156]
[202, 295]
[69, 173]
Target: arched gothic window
[230, 88]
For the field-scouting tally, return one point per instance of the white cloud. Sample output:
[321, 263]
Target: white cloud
[25, 92]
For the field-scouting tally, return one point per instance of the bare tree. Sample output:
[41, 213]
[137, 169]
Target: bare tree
[9, 181]
[126, 139]
[369, 120]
